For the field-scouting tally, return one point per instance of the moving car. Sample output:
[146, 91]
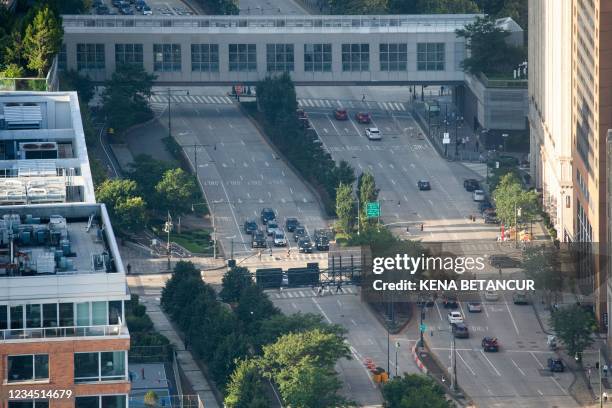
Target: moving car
[471, 184]
[279, 238]
[271, 227]
[555, 365]
[455, 316]
[305, 245]
[474, 307]
[423, 185]
[450, 302]
[267, 214]
[298, 233]
[491, 295]
[490, 344]
[504, 261]
[321, 240]
[478, 195]
[490, 217]
[258, 240]
[520, 298]
[341, 114]
[291, 224]
[460, 330]
[484, 205]
[250, 226]
[373, 134]
[363, 117]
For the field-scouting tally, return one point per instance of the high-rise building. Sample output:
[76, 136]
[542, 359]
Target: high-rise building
[63, 338]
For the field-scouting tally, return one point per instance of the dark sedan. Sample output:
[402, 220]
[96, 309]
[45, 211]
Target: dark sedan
[423, 185]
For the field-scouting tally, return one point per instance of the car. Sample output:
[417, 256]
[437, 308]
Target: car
[267, 214]
[478, 195]
[291, 223]
[491, 295]
[341, 114]
[301, 113]
[503, 261]
[363, 117]
[321, 240]
[450, 302]
[423, 185]
[271, 227]
[146, 11]
[484, 205]
[520, 298]
[279, 238]
[490, 344]
[471, 185]
[460, 330]
[250, 226]
[490, 217]
[305, 245]
[454, 316]
[426, 300]
[258, 240]
[373, 134]
[474, 307]
[555, 365]
[102, 9]
[298, 233]
[285, 280]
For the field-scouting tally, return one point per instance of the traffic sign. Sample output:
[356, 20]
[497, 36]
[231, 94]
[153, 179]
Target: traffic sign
[423, 327]
[446, 138]
[373, 209]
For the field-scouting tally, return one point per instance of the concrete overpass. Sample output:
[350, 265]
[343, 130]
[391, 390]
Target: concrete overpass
[316, 50]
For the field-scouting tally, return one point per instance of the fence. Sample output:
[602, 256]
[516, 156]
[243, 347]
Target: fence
[151, 354]
[49, 83]
[168, 401]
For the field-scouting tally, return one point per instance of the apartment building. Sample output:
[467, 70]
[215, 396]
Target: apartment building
[63, 337]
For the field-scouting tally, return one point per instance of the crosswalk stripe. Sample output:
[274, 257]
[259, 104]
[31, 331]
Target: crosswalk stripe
[207, 99]
[199, 99]
[289, 294]
[227, 100]
[397, 106]
[155, 98]
[328, 104]
[338, 103]
[402, 106]
[300, 102]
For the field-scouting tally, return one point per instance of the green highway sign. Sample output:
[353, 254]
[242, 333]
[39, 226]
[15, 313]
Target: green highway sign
[423, 327]
[373, 210]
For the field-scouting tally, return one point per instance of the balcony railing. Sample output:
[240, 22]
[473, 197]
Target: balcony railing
[63, 332]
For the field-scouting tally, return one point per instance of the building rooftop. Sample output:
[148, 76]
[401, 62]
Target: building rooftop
[43, 155]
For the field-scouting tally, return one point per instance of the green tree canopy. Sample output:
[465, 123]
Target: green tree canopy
[73, 80]
[344, 207]
[367, 192]
[414, 391]
[246, 388]
[253, 307]
[177, 191]
[235, 281]
[147, 172]
[43, 37]
[509, 197]
[574, 326]
[127, 210]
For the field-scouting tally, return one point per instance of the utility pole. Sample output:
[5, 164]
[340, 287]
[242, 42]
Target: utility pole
[397, 346]
[195, 147]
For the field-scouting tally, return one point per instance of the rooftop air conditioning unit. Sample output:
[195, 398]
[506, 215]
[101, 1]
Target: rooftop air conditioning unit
[38, 150]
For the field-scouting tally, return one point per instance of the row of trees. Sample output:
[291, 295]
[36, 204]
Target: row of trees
[153, 187]
[252, 343]
[347, 208]
[277, 102]
[513, 204]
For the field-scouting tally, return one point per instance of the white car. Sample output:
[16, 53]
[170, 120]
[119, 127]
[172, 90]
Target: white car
[455, 317]
[479, 195]
[373, 134]
[279, 238]
[146, 11]
[271, 227]
[491, 295]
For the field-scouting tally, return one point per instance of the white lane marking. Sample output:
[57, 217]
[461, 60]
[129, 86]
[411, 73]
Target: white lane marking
[332, 123]
[339, 303]
[462, 311]
[512, 317]
[358, 358]
[294, 305]
[353, 321]
[540, 392]
[438, 309]
[393, 181]
[321, 310]
[487, 358]
[291, 190]
[517, 367]
[466, 364]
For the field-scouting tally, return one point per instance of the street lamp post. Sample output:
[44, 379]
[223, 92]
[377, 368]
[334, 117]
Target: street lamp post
[195, 147]
[169, 93]
[397, 347]
[167, 229]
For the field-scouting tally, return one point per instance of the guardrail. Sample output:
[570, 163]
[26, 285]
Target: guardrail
[62, 332]
[502, 83]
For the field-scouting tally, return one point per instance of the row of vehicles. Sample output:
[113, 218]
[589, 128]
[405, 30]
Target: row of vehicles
[272, 229]
[484, 205]
[123, 7]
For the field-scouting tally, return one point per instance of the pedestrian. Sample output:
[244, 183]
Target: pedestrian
[605, 370]
[363, 98]
[129, 268]
[270, 251]
[320, 290]
[604, 396]
[339, 287]
[421, 227]
[186, 342]
[288, 252]
[500, 272]
[259, 254]
[476, 146]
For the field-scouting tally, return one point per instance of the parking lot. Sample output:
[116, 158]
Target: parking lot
[157, 7]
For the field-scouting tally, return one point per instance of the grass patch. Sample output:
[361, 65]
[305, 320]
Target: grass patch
[196, 241]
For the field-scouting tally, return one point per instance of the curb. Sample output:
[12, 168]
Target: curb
[418, 361]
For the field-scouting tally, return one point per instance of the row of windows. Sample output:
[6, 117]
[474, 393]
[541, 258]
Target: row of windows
[94, 401]
[279, 57]
[35, 316]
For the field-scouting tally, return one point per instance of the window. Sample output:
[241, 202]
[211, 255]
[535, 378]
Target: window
[430, 56]
[98, 313]
[205, 57]
[279, 57]
[30, 367]
[66, 314]
[166, 57]
[28, 403]
[17, 317]
[317, 57]
[101, 401]
[33, 319]
[82, 314]
[49, 315]
[355, 57]
[115, 311]
[242, 57]
[393, 57]
[128, 54]
[99, 366]
[61, 58]
[3, 317]
[90, 56]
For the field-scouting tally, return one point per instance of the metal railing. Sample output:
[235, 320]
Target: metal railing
[50, 83]
[502, 83]
[62, 332]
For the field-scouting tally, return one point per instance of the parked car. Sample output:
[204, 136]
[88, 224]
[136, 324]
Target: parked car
[471, 184]
[102, 9]
[250, 226]
[555, 365]
[491, 295]
[520, 298]
[298, 233]
[460, 330]
[258, 240]
[478, 195]
[484, 205]
[279, 238]
[267, 214]
[291, 223]
[363, 117]
[305, 245]
[423, 185]
[504, 261]
[271, 227]
[490, 344]
[146, 11]
[490, 217]
[373, 134]
[454, 316]
[341, 114]
[474, 307]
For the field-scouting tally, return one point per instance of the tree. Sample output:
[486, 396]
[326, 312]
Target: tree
[124, 96]
[73, 81]
[151, 398]
[509, 197]
[358, 7]
[176, 191]
[367, 193]
[344, 207]
[246, 388]
[489, 52]
[12, 71]
[14, 51]
[344, 173]
[414, 391]
[227, 352]
[147, 172]
[235, 281]
[43, 38]
[277, 99]
[253, 307]
[574, 326]
[125, 208]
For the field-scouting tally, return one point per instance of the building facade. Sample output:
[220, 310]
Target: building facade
[63, 337]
